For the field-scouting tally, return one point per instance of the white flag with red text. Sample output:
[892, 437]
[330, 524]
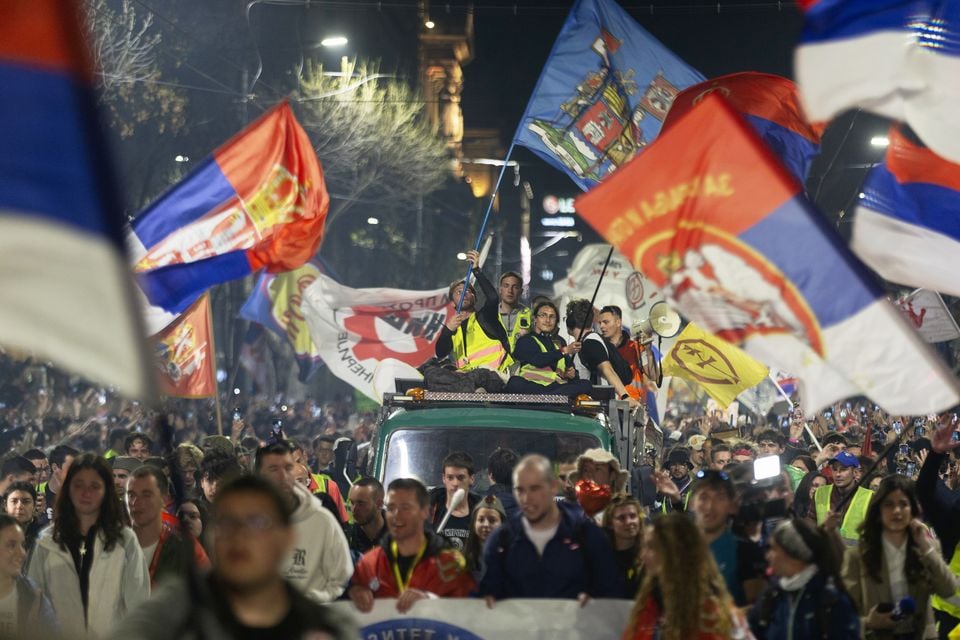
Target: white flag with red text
[929, 315]
[369, 337]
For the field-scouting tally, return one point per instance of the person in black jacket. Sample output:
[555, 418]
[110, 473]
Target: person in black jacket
[941, 507]
[245, 595]
[459, 472]
[549, 550]
[546, 360]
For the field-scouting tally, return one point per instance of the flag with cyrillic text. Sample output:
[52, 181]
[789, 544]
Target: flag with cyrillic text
[710, 215]
[258, 202]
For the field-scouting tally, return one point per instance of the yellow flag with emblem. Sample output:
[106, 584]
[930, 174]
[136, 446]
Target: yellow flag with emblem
[723, 370]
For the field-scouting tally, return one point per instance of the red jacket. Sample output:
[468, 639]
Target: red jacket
[441, 571]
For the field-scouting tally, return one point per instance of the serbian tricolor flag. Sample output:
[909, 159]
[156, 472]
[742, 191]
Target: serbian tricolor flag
[907, 225]
[712, 218]
[65, 287]
[258, 202]
[771, 105]
[184, 353]
[897, 58]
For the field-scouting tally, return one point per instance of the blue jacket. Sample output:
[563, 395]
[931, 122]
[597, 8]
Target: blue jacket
[578, 559]
[822, 612]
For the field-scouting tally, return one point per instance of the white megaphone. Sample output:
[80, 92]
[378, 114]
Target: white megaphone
[661, 321]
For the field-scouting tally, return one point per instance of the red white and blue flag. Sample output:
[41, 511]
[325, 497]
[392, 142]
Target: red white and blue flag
[907, 224]
[712, 218]
[65, 284]
[897, 58]
[259, 201]
[771, 105]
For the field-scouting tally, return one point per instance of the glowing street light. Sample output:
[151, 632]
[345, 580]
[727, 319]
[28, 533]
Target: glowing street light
[880, 141]
[429, 24]
[372, 220]
[334, 41]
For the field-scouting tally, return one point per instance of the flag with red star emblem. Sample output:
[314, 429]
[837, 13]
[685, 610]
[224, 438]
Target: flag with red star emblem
[369, 337]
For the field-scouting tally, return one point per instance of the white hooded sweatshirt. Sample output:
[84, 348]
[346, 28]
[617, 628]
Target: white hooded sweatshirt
[319, 563]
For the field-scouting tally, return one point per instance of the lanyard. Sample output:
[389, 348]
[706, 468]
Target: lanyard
[401, 583]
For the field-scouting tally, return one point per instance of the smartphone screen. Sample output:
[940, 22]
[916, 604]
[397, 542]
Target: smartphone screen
[766, 467]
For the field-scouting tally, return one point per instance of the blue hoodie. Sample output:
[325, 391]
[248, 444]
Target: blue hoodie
[578, 559]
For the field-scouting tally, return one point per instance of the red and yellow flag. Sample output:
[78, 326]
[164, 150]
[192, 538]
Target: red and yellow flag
[185, 358]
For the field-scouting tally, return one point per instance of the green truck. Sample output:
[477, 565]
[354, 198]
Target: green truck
[417, 429]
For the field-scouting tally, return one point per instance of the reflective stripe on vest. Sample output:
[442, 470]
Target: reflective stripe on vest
[951, 605]
[321, 480]
[541, 375]
[484, 351]
[514, 334]
[855, 515]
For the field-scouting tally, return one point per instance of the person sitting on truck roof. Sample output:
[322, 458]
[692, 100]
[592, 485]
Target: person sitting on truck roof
[476, 338]
[598, 360]
[546, 364]
[459, 472]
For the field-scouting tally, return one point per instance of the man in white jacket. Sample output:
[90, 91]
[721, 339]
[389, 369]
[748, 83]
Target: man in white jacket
[319, 563]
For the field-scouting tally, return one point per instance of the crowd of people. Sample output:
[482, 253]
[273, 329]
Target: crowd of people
[125, 523]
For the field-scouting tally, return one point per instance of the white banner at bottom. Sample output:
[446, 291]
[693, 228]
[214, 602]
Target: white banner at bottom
[470, 619]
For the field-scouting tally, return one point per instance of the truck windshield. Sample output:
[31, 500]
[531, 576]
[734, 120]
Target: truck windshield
[419, 452]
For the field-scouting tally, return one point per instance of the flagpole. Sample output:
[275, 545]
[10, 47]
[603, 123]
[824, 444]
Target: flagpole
[486, 218]
[596, 290]
[806, 427]
[213, 367]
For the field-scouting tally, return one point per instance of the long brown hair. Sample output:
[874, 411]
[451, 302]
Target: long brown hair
[66, 524]
[871, 530]
[687, 579]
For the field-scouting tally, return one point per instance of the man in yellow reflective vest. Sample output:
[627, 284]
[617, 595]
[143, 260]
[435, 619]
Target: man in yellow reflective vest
[826, 509]
[475, 337]
[941, 508]
[514, 317]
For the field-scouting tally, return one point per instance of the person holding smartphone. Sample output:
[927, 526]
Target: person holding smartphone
[942, 509]
[897, 566]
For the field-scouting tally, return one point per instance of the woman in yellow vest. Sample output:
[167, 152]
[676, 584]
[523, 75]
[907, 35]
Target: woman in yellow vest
[542, 357]
[897, 566]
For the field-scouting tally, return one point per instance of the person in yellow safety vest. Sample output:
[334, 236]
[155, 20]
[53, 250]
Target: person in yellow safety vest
[941, 509]
[827, 498]
[476, 338]
[514, 317]
[542, 355]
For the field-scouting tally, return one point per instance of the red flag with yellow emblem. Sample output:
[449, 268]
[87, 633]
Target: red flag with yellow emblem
[186, 365]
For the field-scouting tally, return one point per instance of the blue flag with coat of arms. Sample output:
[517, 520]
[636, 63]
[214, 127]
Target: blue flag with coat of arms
[602, 95]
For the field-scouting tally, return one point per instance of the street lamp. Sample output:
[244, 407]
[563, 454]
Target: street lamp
[880, 141]
[334, 41]
[372, 220]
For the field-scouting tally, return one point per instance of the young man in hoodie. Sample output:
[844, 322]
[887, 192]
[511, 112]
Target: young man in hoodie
[319, 563]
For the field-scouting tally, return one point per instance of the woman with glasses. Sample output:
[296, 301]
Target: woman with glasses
[683, 595]
[89, 565]
[897, 566]
[544, 356]
[623, 522]
[487, 516]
